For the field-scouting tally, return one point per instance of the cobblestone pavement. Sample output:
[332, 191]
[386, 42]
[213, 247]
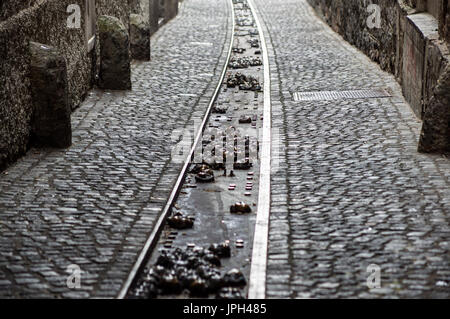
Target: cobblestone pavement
[94, 204]
[353, 190]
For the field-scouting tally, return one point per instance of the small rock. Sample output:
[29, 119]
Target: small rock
[245, 119]
[234, 278]
[221, 250]
[205, 175]
[180, 221]
[240, 208]
[229, 293]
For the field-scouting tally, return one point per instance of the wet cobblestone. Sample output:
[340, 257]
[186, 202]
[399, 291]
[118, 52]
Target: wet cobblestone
[351, 190]
[95, 203]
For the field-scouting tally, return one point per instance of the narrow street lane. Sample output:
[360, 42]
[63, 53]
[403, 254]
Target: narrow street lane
[94, 204]
[257, 155]
[352, 191]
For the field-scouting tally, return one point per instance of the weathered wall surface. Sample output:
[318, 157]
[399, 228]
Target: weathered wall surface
[438, 9]
[349, 18]
[9, 8]
[44, 22]
[383, 44]
[408, 40]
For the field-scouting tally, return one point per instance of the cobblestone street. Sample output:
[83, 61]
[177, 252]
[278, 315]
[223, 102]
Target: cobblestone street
[354, 192]
[325, 189]
[95, 203]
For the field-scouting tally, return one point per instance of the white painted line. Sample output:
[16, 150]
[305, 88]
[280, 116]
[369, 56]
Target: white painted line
[160, 223]
[257, 289]
[207, 44]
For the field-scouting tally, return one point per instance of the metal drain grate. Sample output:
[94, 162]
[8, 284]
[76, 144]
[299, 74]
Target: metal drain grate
[337, 95]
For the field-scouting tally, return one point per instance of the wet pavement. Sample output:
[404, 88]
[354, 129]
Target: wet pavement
[94, 204]
[350, 193]
[352, 190]
[220, 193]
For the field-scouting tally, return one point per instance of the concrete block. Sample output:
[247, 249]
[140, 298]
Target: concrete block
[418, 28]
[51, 124]
[171, 9]
[115, 69]
[435, 135]
[436, 59]
[140, 37]
[154, 15]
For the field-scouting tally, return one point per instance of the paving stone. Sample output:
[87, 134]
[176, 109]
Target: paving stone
[89, 198]
[358, 192]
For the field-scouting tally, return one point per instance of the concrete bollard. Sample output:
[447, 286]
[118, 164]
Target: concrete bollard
[162, 11]
[171, 9]
[140, 37]
[154, 16]
[50, 124]
[435, 135]
[177, 7]
[176, 4]
[115, 69]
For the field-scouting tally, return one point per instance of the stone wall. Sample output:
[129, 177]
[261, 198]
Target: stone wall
[440, 9]
[43, 21]
[9, 8]
[410, 40]
[349, 18]
[384, 44]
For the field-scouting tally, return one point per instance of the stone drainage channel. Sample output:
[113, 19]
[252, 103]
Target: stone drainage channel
[204, 247]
